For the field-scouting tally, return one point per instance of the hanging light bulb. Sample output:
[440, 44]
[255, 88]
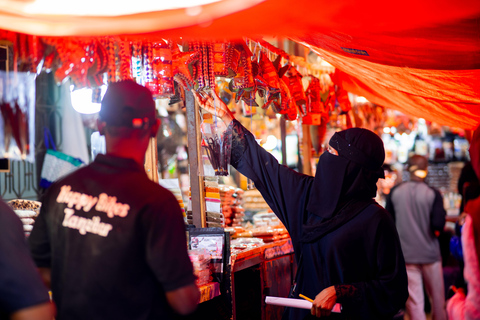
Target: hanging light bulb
[86, 100]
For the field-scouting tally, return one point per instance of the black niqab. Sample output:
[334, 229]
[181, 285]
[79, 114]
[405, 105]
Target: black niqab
[352, 174]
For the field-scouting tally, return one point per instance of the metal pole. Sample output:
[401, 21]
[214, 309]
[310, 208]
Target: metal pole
[194, 155]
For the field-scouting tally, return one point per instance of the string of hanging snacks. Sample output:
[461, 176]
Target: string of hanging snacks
[254, 69]
[305, 89]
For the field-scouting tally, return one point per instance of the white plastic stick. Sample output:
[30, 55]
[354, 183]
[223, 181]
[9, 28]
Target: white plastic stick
[296, 303]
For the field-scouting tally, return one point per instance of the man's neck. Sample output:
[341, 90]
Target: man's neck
[140, 159]
[416, 179]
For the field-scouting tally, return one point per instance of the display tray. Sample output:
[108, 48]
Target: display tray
[209, 291]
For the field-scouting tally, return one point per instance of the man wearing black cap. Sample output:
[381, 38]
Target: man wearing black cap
[112, 240]
[346, 245]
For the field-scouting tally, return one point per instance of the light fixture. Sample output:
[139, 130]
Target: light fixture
[361, 100]
[110, 7]
[82, 100]
[271, 143]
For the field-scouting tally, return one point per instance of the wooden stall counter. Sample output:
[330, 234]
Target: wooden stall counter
[257, 255]
[266, 270]
[209, 291]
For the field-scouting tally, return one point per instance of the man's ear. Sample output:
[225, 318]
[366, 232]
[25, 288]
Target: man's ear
[101, 127]
[154, 128]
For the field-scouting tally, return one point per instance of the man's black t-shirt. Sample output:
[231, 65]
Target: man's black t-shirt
[20, 284]
[115, 242]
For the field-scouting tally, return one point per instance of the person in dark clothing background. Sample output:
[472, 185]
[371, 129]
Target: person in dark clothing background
[468, 178]
[465, 304]
[23, 295]
[346, 245]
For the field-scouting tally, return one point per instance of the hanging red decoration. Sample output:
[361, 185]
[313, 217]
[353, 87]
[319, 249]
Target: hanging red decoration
[295, 85]
[148, 79]
[343, 101]
[180, 63]
[100, 65]
[73, 58]
[162, 69]
[314, 103]
[125, 57]
[220, 58]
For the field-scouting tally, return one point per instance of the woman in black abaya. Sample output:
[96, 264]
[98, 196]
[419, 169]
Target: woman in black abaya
[346, 245]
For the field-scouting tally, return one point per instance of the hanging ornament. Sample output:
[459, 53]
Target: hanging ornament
[148, 78]
[220, 58]
[233, 61]
[30, 51]
[198, 74]
[125, 57]
[295, 85]
[244, 78]
[111, 54]
[162, 69]
[344, 103]
[73, 58]
[99, 67]
[315, 107]
[268, 71]
[180, 63]
[137, 61]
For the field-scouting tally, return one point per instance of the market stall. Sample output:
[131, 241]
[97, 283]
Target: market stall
[224, 46]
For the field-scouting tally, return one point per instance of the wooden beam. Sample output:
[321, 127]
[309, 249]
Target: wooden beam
[151, 160]
[306, 150]
[194, 160]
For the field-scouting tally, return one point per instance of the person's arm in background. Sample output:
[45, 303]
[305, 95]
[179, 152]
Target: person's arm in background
[438, 214]
[166, 253]
[185, 299]
[39, 244]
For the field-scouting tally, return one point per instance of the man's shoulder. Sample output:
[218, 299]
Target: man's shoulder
[397, 187]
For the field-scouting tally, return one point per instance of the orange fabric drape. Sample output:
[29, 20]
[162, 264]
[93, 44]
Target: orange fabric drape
[419, 57]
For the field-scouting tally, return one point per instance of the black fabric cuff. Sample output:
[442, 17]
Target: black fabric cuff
[345, 291]
[239, 142]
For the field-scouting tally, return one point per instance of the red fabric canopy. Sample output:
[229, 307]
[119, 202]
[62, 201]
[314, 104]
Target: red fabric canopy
[430, 72]
[420, 57]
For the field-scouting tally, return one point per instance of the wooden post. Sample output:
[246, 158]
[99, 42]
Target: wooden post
[194, 156]
[307, 150]
[151, 160]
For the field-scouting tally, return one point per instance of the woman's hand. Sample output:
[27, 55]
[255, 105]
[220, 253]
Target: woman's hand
[214, 105]
[324, 301]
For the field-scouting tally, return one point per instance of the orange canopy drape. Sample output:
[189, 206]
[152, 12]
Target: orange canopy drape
[419, 57]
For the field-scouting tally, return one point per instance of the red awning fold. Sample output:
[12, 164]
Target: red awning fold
[419, 57]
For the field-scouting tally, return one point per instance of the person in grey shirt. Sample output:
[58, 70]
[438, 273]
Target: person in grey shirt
[420, 217]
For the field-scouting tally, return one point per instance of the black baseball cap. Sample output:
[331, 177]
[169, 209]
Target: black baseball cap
[127, 104]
